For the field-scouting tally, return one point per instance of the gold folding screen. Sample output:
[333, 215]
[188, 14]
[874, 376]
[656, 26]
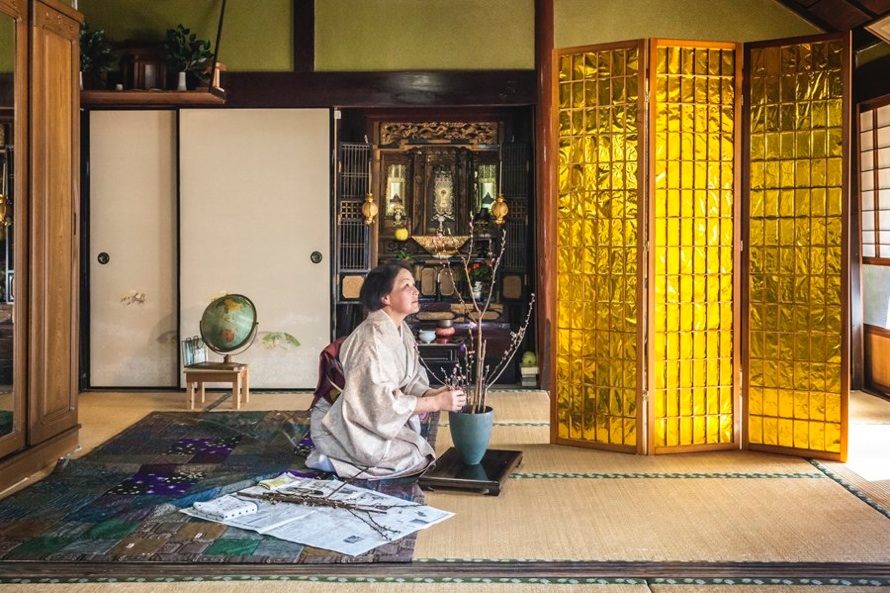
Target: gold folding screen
[650, 327]
[597, 349]
[797, 212]
[693, 125]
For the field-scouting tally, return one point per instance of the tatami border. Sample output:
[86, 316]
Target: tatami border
[851, 488]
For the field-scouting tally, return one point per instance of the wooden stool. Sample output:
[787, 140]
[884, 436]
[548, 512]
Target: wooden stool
[218, 372]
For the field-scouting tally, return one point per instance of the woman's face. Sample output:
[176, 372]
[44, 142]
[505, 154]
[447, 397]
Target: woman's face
[403, 300]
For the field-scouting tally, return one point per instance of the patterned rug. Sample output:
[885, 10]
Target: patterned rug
[121, 501]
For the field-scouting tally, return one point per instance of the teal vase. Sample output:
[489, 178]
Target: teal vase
[470, 434]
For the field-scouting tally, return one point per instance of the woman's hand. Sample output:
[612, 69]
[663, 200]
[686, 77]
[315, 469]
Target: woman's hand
[443, 399]
[451, 400]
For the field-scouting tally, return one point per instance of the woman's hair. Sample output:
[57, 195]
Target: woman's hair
[378, 283]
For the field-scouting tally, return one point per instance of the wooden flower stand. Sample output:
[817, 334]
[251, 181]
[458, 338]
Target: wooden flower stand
[486, 477]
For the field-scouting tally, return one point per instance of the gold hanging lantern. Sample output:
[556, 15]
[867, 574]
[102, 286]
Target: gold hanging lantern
[499, 210]
[369, 208]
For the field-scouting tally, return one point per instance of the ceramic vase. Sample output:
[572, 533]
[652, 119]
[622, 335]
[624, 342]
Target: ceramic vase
[181, 83]
[471, 433]
[444, 330]
[477, 290]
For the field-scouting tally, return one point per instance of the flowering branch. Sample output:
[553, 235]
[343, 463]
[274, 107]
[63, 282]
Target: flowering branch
[472, 375]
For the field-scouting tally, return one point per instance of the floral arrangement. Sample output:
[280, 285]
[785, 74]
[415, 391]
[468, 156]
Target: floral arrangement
[472, 375]
[479, 272]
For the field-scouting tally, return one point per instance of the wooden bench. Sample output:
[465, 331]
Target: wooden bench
[218, 372]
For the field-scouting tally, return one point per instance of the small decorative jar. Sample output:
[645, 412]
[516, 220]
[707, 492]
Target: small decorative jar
[444, 329]
[426, 336]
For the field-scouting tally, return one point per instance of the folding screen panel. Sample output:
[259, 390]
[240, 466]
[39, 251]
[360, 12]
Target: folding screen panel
[599, 225]
[797, 330]
[693, 127]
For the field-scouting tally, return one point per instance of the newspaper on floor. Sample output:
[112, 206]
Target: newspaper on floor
[383, 519]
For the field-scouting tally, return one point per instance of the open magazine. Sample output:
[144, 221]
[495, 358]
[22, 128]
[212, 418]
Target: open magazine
[371, 519]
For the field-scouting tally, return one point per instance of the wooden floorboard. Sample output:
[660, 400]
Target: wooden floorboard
[435, 569]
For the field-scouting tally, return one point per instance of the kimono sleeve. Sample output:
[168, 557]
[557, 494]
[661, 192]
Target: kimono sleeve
[372, 397]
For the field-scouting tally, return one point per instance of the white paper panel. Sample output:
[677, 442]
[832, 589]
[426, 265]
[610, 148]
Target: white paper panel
[132, 218]
[876, 295]
[254, 204]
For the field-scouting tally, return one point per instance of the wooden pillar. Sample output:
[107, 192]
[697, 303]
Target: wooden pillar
[544, 190]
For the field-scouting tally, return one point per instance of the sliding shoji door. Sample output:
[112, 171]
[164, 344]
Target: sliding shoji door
[694, 117]
[598, 347]
[255, 211]
[797, 332]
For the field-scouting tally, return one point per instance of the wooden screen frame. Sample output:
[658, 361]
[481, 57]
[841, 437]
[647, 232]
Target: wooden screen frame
[870, 105]
[548, 221]
[654, 44]
[846, 74]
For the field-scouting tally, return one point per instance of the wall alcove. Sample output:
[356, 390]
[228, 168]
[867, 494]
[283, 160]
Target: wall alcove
[436, 172]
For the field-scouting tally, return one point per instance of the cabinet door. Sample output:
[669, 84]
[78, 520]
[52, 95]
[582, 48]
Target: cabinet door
[133, 220]
[13, 304]
[55, 142]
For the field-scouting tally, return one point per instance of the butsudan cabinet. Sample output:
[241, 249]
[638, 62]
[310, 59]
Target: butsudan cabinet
[39, 104]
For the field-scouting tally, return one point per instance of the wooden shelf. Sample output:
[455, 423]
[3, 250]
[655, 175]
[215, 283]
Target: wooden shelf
[151, 98]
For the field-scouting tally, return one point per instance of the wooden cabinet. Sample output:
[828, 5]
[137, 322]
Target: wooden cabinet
[45, 341]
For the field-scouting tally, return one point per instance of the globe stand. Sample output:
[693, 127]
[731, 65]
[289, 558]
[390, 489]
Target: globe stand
[215, 323]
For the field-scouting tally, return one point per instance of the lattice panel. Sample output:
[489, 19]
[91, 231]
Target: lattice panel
[693, 117]
[597, 238]
[353, 238]
[796, 239]
[874, 182]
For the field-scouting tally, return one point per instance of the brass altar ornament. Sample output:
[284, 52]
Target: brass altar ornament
[369, 208]
[499, 210]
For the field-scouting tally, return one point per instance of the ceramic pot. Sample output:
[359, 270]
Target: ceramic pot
[471, 433]
[426, 336]
[180, 82]
[445, 332]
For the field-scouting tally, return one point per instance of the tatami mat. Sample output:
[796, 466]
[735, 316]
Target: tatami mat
[539, 456]
[792, 520]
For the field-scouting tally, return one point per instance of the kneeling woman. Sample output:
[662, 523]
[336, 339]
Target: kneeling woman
[372, 430]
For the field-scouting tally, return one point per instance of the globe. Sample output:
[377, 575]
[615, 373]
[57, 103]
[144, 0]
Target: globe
[229, 324]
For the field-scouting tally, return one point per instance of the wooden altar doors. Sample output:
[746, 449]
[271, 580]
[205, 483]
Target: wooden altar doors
[700, 275]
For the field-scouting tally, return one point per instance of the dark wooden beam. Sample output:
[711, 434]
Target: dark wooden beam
[858, 572]
[862, 8]
[304, 35]
[807, 16]
[872, 80]
[380, 89]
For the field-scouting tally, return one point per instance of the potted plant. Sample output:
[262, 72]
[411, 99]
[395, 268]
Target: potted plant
[471, 427]
[187, 55]
[479, 275]
[95, 57]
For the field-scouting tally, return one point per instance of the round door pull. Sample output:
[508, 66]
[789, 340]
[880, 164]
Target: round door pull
[104, 258]
[315, 257]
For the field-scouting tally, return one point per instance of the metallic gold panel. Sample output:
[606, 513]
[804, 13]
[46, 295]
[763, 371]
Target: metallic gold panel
[694, 199]
[795, 319]
[597, 236]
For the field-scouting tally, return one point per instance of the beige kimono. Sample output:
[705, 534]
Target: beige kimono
[371, 431]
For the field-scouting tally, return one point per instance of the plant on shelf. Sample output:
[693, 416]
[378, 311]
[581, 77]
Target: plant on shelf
[96, 58]
[471, 427]
[186, 54]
